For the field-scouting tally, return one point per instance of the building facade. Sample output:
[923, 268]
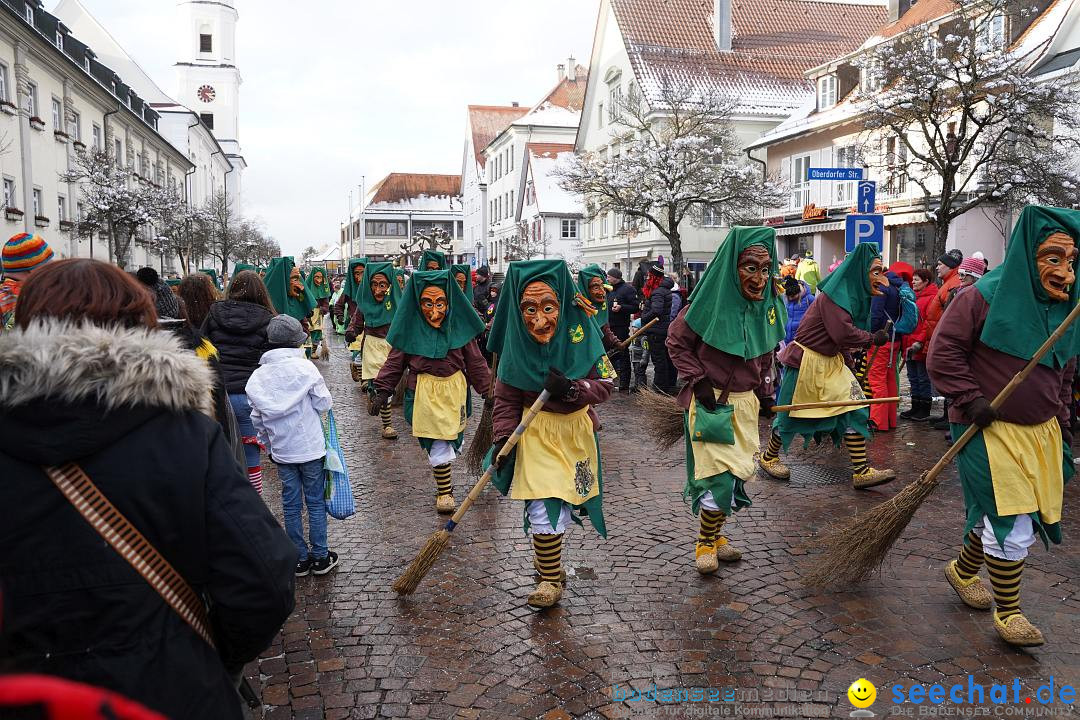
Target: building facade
[549, 215]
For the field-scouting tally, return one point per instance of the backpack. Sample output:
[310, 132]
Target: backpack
[909, 312]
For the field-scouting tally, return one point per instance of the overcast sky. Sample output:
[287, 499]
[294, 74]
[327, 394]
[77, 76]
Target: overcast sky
[337, 89]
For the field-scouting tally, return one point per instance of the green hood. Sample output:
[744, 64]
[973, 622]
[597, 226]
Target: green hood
[719, 313]
[432, 255]
[277, 284]
[213, 276]
[378, 314]
[412, 334]
[317, 292]
[849, 284]
[351, 288]
[454, 269]
[584, 275]
[239, 267]
[576, 347]
[1021, 320]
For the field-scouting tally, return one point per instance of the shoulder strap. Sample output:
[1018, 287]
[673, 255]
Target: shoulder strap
[110, 523]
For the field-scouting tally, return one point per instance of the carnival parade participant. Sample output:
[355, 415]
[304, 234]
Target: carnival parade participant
[1014, 469]
[591, 290]
[289, 294]
[722, 343]
[544, 340]
[433, 260]
[345, 310]
[462, 275]
[817, 368]
[433, 337]
[378, 303]
[318, 288]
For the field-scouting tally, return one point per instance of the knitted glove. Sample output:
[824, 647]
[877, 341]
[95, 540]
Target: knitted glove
[767, 407]
[557, 384]
[881, 337]
[350, 337]
[981, 413]
[703, 391]
[496, 446]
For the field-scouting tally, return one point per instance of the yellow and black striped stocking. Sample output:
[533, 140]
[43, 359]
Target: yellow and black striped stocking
[442, 479]
[384, 415]
[711, 520]
[773, 451]
[548, 549]
[856, 446]
[1005, 579]
[971, 556]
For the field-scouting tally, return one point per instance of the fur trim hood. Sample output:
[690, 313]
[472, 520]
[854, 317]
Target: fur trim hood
[111, 367]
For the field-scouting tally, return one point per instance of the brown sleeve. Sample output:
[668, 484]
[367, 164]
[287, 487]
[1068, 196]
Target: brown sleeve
[507, 413]
[476, 368]
[1064, 416]
[610, 341]
[592, 390]
[765, 387]
[841, 329]
[356, 324]
[952, 344]
[391, 372]
[682, 343]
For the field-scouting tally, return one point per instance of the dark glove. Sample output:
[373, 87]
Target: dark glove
[881, 337]
[703, 391]
[350, 337]
[557, 384]
[767, 407]
[382, 399]
[981, 413]
[496, 446]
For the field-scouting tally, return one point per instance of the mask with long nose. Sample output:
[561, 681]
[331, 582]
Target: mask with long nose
[755, 267]
[1055, 261]
[540, 311]
[433, 306]
[878, 281]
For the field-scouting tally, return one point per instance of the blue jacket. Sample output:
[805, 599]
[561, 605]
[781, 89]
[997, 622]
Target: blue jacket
[886, 307]
[796, 309]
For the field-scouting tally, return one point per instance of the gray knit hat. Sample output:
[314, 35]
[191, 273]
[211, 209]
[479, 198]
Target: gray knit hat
[285, 331]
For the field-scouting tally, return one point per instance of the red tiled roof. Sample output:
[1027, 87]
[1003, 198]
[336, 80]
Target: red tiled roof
[487, 121]
[919, 13]
[549, 149]
[396, 187]
[569, 94]
[773, 44]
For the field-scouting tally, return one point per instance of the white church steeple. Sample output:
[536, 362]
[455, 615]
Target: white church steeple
[208, 79]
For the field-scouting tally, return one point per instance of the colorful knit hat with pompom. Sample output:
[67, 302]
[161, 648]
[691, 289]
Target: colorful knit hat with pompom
[25, 252]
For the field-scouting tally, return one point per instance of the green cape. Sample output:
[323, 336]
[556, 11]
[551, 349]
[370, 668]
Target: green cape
[454, 269]
[318, 293]
[584, 275]
[576, 347]
[849, 284]
[213, 276]
[719, 313]
[410, 332]
[1024, 317]
[377, 314]
[240, 267]
[351, 288]
[277, 284]
[432, 255]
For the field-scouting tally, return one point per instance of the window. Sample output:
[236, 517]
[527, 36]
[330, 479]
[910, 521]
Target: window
[800, 187]
[61, 207]
[9, 193]
[118, 152]
[31, 99]
[60, 40]
[845, 191]
[28, 13]
[76, 126]
[79, 211]
[569, 229]
[896, 160]
[711, 216]
[37, 201]
[57, 115]
[603, 225]
[826, 92]
[992, 33]
[95, 132]
[871, 77]
[513, 206]
[207, 120]
[600, 115]
[3, 83]
[614, 100]
[511, 158]
[86, 63]
[206, 43]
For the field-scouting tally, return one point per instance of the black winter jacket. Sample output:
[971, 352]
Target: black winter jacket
[659, 306]
[131, 408]
[238, 331]
[624, 294]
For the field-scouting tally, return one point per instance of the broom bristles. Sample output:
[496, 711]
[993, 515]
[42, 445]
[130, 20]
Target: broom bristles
[399, 391]
[481, 442]
[422, 563]
[324, 351]
[663, 416]
[856, 549]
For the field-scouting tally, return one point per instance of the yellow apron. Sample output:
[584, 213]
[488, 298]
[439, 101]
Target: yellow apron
[375, 352]
[358, 344]
[1025, 466]
[714, 458]
[439, 406]
[822, 379]
[557, 458]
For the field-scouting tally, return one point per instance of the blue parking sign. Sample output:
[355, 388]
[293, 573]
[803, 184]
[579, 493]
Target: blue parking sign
[864, 228]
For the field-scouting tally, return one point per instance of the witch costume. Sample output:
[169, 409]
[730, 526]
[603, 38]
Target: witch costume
[289, 294]
[378, 300]
[318, 287]
[433, 257]
[346, 312]
[545, 340]
[591, 279]
[723, 343]
[433, 337]
[817, 368]
[1014, 469]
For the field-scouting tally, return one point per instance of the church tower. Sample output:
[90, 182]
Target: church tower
[208, 80]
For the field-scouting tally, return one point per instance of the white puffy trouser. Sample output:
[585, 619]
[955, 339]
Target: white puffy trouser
[1016, 544]
[441, 453]
[709, 503]
[540, 524]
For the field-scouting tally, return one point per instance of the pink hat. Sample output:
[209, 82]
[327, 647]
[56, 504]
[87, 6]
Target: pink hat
[972, 266]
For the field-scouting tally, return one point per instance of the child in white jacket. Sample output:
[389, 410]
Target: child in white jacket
[287, 396]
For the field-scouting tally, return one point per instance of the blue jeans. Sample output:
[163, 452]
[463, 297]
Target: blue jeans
[919, 380]
[309, 480]
[242, 409]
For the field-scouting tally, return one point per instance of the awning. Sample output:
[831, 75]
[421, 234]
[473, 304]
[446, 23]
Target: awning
[809, 228]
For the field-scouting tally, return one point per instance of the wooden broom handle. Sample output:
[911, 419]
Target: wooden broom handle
[1002, 396]
[509, 445]
[834, 404]
[494, 371]
[637, 333]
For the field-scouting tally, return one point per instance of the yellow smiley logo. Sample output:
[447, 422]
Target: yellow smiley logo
[862, 693]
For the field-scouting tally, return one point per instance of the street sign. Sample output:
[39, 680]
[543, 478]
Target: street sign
[864, 228]
[866, 194]
[841, 174]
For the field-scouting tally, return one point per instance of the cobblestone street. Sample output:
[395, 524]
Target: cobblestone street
[635, 612]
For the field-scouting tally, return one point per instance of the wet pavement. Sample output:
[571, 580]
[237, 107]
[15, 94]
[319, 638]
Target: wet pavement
[636, 616]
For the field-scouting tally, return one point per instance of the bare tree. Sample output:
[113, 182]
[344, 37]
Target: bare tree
[669, 159]
[309, 254]
[525, 244]
[222, 230]
[435, 239]
[959, 114]
[172, 220]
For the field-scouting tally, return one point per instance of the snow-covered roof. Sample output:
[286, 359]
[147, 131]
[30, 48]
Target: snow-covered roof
[549, 115]
[486, 122]
[331, 255]
[415, 192]
[551, 199]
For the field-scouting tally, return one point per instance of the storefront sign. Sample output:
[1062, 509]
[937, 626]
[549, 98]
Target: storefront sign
[773, 221]
[812, 213]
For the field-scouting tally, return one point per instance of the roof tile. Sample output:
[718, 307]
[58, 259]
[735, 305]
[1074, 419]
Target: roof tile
[487, 121]
[397, 187]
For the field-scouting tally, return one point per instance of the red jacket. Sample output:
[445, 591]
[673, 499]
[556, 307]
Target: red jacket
[941, 299]
[923, 298]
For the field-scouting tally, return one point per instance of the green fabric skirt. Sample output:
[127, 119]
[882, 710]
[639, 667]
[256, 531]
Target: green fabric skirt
[817, 429]
[593, 508]
[728, 491]
[407, 404]
[973, 465]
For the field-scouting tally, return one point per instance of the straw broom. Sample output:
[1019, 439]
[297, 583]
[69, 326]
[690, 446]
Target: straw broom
[485, 430]
[857, 547]
[438, 542]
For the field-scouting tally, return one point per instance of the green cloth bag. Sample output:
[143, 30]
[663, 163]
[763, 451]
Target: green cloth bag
[714, 426]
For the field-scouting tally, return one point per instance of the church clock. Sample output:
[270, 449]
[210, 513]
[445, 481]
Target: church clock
[206, 93]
